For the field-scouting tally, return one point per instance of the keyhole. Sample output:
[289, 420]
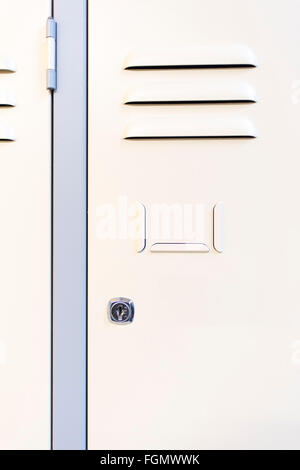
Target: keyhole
[120, 312]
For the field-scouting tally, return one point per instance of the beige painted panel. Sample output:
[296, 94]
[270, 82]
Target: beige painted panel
[25, 177]
[211, 359]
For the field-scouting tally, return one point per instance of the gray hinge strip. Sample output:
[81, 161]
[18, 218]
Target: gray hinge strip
[69, 277]
[51, 36]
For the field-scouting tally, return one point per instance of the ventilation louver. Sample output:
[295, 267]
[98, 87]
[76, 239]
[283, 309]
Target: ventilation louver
[6, 133]
[6, 64]
[173, 128]
[204, 92]
[7, 99]
[210, 92]
[193, 57]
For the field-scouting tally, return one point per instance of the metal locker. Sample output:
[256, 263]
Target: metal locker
[149, 238]
[192, 104]
[25, 206]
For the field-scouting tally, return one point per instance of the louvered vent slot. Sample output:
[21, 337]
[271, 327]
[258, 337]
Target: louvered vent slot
[6, 65]
[208, 128]
[190, 58]
[203, 93]
[7, 99]
[6, 133]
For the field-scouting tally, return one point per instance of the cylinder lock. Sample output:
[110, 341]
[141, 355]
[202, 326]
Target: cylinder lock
[121, 310]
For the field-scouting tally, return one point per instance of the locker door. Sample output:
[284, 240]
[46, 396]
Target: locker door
[194, 109]
[25, 248]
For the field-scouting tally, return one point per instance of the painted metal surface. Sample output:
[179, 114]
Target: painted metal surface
[210, 358]
[25, 248]
[69, 228]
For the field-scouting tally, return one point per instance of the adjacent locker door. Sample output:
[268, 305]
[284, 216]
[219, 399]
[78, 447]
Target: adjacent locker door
[25, 247]
[194, 109]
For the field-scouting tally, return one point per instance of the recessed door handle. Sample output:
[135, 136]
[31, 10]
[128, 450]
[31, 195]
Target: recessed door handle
[179, 247]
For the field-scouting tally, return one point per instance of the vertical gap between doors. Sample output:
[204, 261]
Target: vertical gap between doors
[87, 200]
[52, 220]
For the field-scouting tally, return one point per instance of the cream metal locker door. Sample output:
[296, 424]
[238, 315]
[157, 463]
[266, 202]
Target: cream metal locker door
[194, 108]
[25, 206]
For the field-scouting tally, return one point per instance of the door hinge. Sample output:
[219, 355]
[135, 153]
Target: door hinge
[51, 36]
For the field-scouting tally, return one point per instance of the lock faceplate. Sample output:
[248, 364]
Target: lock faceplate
[121, 310]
